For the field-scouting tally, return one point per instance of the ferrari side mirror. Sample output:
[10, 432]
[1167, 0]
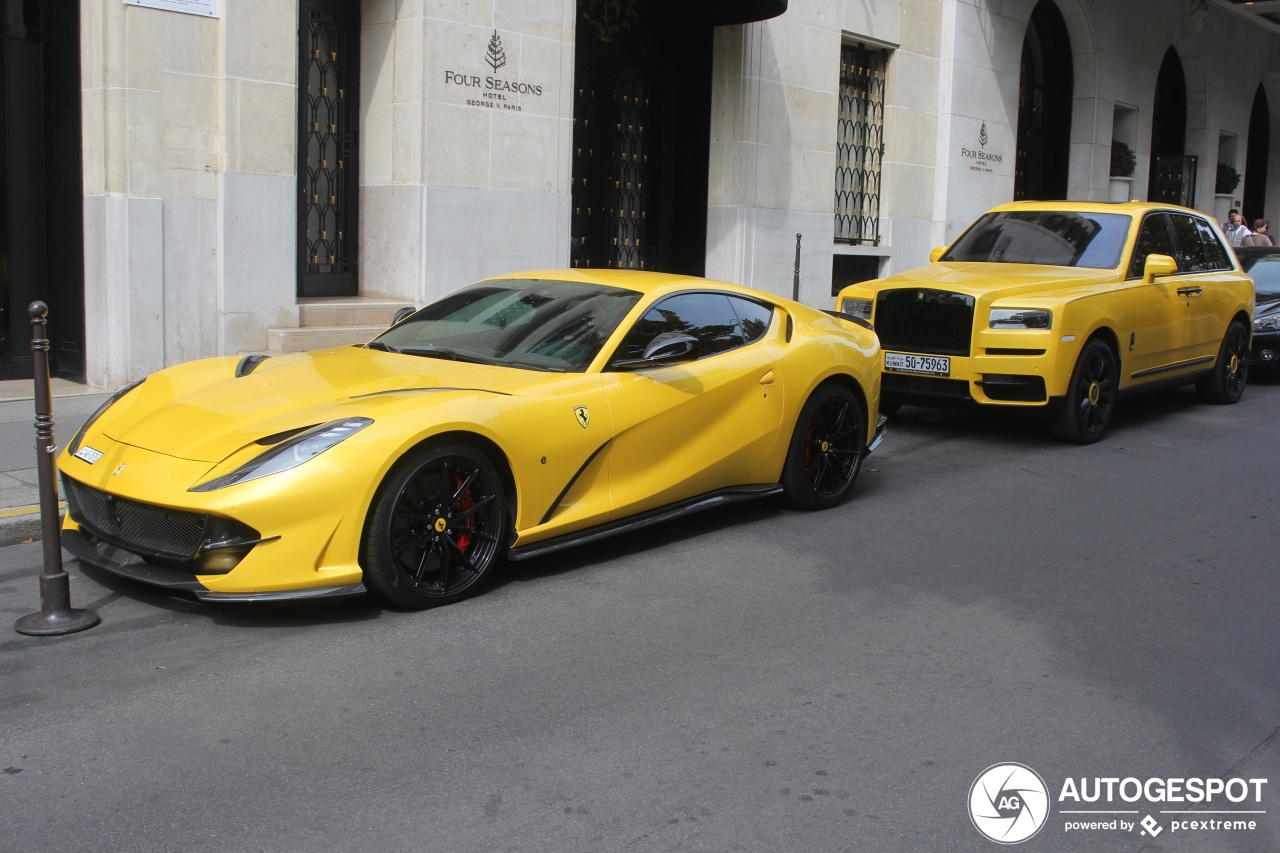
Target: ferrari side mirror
[666, 348]
[670, 346]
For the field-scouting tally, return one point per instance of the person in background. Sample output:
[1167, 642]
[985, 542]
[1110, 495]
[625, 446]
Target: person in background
[1235, 228]
[1262, 228]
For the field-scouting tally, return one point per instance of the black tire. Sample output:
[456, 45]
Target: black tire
[1086, 411]
[437, 530]
[826, 449]
[1225, 384]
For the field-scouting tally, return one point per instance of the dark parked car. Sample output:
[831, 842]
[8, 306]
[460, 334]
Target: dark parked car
[1263, 264]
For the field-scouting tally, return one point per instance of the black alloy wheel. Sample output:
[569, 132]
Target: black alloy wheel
[1225, 385]
[826, 449]
[438, 528]
[1086, 411]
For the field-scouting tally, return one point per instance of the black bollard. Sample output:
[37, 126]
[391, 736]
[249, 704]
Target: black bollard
[56, 614]
[795, 278]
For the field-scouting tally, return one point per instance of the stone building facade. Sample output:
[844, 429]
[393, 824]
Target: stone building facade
[232, 149]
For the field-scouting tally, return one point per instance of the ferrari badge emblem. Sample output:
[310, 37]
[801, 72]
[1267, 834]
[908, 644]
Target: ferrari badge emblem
[583, 416]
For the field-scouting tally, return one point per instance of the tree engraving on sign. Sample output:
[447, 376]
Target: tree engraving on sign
[497, 57]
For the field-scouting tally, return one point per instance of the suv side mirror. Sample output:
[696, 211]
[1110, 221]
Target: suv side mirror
[1157, 265]
[936, 252]
[402, 313]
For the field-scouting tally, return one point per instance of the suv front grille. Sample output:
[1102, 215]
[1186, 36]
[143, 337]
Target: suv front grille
[923, 320]
[146, 529]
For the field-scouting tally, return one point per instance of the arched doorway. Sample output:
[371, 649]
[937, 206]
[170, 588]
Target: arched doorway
[41, 185]
[1173, 172]
[1257, 152]
[642, 130]
[1044, 107]
[328, 146]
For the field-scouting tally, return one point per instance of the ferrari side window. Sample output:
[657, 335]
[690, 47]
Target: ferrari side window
[706, 316]
[755, 317]
[1153, 239]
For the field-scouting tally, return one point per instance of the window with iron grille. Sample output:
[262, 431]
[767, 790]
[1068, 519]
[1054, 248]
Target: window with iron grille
[860, 145]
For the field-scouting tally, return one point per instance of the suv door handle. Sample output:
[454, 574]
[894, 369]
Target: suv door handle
[1190, 291]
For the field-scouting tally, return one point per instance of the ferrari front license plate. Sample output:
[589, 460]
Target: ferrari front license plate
[904, 362]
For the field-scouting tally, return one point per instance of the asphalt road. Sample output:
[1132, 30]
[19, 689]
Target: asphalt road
[754, 679]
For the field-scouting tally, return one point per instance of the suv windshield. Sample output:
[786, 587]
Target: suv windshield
[1056, 238]
[538, 325]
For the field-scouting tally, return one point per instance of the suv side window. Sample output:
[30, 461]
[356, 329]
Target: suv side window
[1189, 251]
[1215, 252]
[707, 316]
[755, 318]
[1153, 239]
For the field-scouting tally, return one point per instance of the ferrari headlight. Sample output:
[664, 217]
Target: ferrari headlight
[1270, 323]
[1020, 318]
[856, 307]
[102, 410]
[288, 454]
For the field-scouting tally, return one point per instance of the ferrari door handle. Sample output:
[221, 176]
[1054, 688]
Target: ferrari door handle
[1190, 291]
[767, 379]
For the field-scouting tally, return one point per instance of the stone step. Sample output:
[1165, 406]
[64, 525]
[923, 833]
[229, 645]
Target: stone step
[319, 337]
[343, 311]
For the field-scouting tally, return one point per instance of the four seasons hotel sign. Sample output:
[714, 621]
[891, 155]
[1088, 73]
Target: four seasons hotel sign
[481, 81]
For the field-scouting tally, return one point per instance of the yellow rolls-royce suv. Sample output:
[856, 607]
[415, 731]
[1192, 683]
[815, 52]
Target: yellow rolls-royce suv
[1063, 306]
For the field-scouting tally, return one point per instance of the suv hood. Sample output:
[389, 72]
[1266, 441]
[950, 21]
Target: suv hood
[997, 280]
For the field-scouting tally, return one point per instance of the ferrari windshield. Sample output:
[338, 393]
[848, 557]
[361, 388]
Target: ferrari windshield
[1056, 238]
[537, 325]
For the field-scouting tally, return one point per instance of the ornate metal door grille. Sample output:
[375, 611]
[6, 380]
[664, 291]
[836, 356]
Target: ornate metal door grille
[327, 127]
[1175, 179]
[614, 234]
[860, 145]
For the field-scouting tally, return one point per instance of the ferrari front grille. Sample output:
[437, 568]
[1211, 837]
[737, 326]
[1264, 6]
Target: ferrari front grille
[146, 529]
[923, 320]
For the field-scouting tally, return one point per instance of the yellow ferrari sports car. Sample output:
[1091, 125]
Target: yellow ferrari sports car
[512, 418]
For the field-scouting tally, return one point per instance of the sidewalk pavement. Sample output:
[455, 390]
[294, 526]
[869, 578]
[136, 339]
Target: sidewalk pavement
[73, 403]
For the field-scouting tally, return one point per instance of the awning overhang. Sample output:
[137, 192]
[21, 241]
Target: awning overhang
[722, 12]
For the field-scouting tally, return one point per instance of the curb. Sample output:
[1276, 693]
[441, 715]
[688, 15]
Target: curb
[22, 524]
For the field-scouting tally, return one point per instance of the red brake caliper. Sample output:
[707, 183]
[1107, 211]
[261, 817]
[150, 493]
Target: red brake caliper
[465, 503]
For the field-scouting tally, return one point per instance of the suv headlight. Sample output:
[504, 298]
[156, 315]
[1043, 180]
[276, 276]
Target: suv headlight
[288, 454]
[1269, 323]
[856, 307]
[1020, 318]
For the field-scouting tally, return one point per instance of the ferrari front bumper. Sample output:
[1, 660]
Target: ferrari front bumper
[126, 564]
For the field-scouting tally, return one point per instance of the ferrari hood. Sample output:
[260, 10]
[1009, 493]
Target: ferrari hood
[202, 411]
[996, 280]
